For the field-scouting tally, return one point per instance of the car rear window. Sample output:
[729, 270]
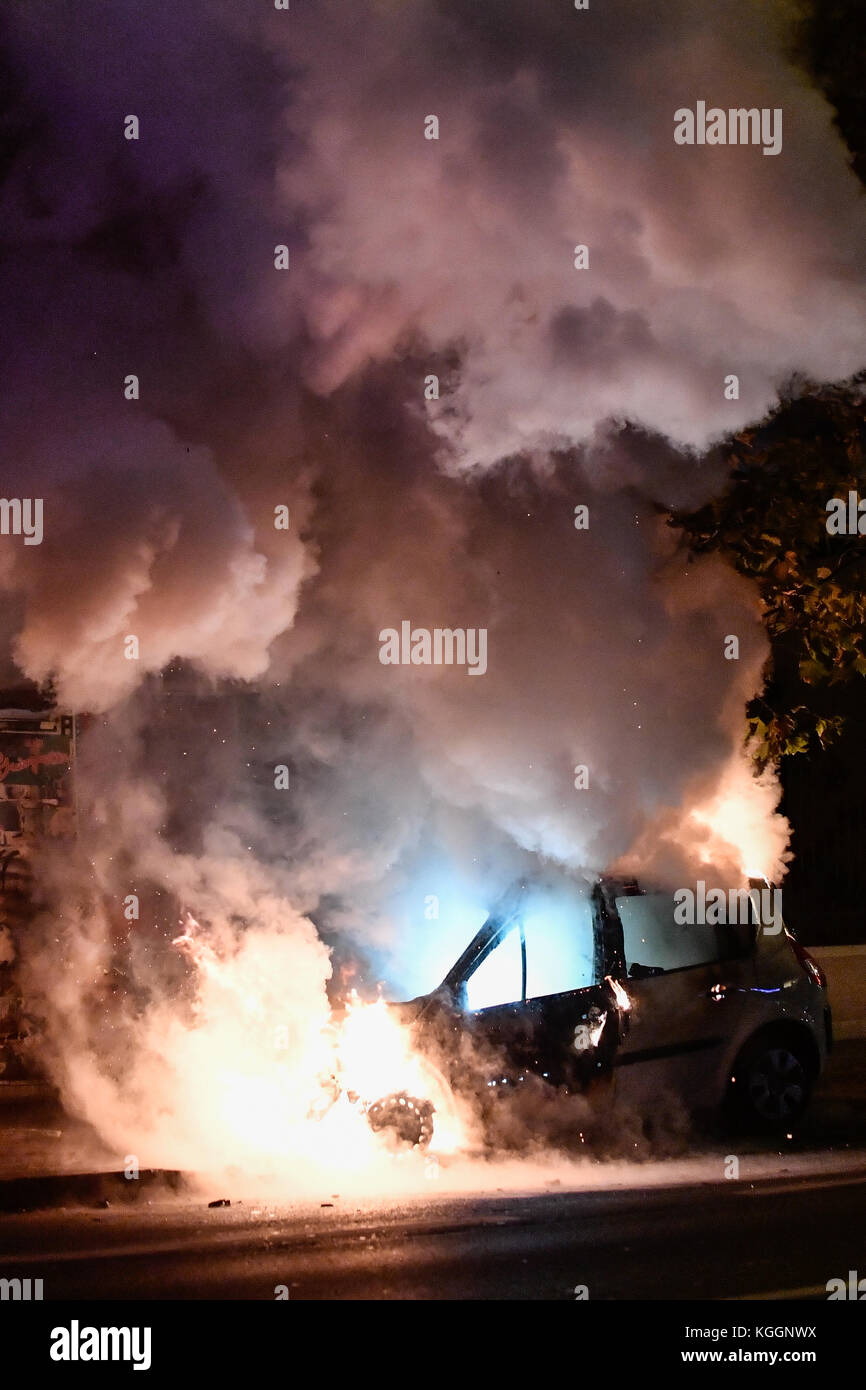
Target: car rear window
[651, 937]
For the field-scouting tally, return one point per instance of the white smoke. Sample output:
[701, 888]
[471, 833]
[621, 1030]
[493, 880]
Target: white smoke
[261, 389]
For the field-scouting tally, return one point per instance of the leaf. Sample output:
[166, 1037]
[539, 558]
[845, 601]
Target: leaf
[811, 671]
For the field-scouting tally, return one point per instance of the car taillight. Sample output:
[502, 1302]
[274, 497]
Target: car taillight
[809, 964]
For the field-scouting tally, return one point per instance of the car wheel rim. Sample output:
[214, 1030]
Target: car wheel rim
[409, 1120]
[777, 1085]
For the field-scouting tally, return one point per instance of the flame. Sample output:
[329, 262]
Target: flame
[266, 1092]
[741, 817]
[619, 994]
[377, 1058]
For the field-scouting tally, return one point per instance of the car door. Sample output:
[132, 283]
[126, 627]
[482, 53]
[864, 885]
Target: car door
[531, 1004]
[685, 995]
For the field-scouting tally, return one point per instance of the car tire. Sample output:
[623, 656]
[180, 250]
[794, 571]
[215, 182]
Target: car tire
[409, 1120]
[770, 1086]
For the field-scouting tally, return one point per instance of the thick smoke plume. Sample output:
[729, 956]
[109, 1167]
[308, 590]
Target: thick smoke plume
[304, 388]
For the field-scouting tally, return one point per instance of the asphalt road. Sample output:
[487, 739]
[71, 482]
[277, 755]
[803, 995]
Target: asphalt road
[671, 1229]
[783, 1237]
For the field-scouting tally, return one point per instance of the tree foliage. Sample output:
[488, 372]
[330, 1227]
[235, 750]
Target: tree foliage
[771, 524]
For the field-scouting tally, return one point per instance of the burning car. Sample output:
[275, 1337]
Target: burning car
[615, 994]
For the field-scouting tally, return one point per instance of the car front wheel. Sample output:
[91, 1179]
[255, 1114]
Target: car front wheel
[408, 1120]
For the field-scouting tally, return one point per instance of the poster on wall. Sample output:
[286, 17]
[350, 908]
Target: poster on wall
[36, 792]
[37, 804]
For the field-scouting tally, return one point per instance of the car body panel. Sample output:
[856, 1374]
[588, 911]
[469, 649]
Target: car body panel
[559, 1037]
[646, 1029]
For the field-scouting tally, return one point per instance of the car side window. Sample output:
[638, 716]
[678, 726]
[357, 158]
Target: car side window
[559, 949]
[655, 943]
[499, 977]
[559, 957]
